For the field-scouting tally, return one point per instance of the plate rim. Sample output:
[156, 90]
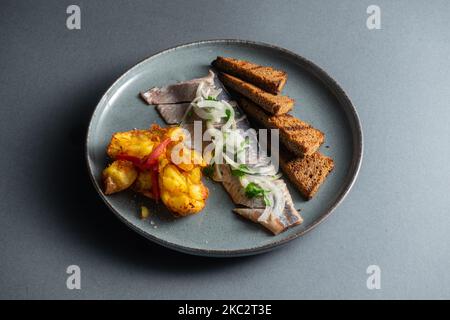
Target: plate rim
[312, 68]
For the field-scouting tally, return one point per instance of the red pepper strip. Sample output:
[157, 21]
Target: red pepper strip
[150, 160]
[138, 162]
[155, 183]
[153, 157]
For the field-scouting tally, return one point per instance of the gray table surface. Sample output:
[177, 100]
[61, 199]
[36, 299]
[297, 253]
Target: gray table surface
[397, 215]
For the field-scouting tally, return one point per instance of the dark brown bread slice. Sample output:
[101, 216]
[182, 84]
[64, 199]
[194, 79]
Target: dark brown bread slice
[298, 136]
[267, 78]
[271, 103]
[308, 172]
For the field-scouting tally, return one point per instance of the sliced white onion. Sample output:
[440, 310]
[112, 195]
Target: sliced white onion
[233, 140]
[276, 176]
[231, 122]
[210, 104]
[202, 113]
[205, 91]
[262, 174]
[264, 171]
[217, 175]
[275, 196]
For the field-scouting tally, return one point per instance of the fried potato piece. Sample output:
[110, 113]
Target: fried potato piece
[145, 213]
[184, 158]
[136, 143]
[182, 192]
[179, 185]
[175, 133]
[119, 176]
[140, 143]
[143, 184]
[194, 176]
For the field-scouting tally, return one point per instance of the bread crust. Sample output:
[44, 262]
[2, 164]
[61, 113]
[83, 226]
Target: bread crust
[274, 104]
[298, 136]
[264, 77]
[300, 161]
[308, 172]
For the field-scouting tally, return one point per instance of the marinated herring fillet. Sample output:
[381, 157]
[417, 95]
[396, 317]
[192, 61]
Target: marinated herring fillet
[275, 224]
[256, 208]
[266, 78]
[274, 104]
[298, 136]
[172, 113]
[175, 93]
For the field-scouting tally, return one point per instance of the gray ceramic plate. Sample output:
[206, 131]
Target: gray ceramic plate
[216, 231]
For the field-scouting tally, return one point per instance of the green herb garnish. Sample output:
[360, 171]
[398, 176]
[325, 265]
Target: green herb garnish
[227, 114]
[266, 200]
[241, 171]
[243, 145]
[254, 190]
[208, 170]
[211, 98]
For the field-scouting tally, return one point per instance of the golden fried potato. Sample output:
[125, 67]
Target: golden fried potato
[136, 143]
[145, 213]
[195, 175]
[119, 176]
[143, 184]
[175, 133]
[182, 192]
[179, 186]
[173, 181]
[184, 158]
